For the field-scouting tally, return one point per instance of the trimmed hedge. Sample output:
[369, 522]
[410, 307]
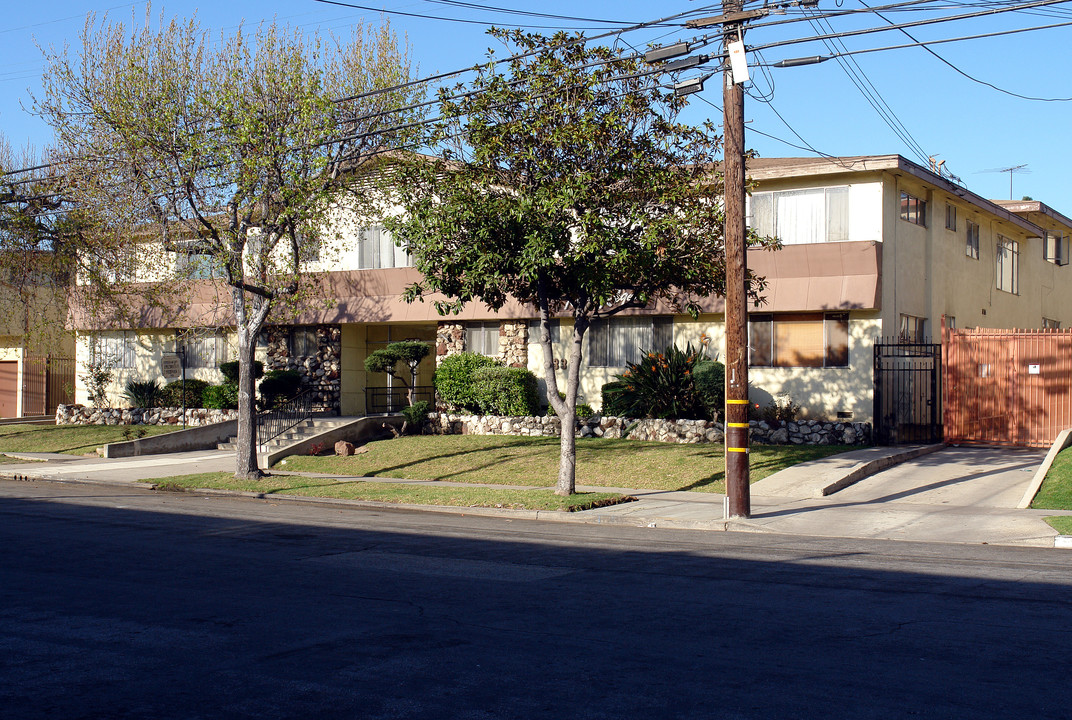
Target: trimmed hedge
[709, 377]
[454, 381]
[230, 370]
[172, 394]
[506, 391]
[221, 397]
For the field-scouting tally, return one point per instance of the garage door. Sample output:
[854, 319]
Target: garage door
[9, 388]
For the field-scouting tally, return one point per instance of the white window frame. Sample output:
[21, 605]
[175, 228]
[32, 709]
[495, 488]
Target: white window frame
[303, 339]
[1055, 248]
[912, 328]
[377, 250]
[950, 217]
[1051, 324]
[774, 208]
[205, 350]
[115, 351]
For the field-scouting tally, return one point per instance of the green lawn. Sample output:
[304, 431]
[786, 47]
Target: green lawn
[507, 460]
[417, 494]
[1056, 492]
[71, 439]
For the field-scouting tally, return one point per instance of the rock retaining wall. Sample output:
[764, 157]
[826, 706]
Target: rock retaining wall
[82, 415]
[804, 432]
[319, 371]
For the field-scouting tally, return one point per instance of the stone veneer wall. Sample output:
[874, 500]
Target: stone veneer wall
[319, 371]
[83, 415]
[450, 340]
[804, 432]
[514, 343]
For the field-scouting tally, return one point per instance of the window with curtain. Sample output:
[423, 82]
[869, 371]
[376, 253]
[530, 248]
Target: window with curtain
[800, 340]
[376, 249]
[115, 351]
[206, 351]
[618, 341]
[799, 217]
[482, 338]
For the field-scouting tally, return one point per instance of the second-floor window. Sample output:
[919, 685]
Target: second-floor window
[1008, 265]
[971, 246]
[913, 209]
[198, 266]
[1056, 248]
[798, 217]
[376, 249]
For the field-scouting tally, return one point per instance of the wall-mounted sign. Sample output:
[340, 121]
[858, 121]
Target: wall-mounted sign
[1034, 369]
[170, 366]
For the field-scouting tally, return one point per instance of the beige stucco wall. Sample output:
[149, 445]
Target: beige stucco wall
[358, 340]
[927, 273]
[151, 345]
[821, 392]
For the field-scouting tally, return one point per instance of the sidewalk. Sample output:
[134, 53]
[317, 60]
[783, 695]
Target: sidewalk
[927, 493]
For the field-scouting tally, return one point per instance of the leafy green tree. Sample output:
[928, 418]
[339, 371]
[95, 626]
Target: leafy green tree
[232, 152]
[567, 183]
[408, 352]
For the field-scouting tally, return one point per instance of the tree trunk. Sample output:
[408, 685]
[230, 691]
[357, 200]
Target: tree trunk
[567, 457]
[249, 318]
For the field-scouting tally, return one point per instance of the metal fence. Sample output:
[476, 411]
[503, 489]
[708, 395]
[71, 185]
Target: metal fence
[391, 400]
[47, 381]
[907, 392]
[1007, 387]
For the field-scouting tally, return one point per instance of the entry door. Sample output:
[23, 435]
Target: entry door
[9, 388]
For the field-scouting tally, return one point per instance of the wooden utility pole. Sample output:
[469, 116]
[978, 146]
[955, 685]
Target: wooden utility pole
[738, 499]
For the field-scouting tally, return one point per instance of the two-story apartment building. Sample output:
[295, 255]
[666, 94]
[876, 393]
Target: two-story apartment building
[873, 247]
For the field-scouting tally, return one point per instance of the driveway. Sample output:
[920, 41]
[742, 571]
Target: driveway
[957, 494]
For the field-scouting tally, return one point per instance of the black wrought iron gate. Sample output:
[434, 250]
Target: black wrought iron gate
[908, 392]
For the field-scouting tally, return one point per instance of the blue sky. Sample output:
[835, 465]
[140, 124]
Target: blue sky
[975, 128]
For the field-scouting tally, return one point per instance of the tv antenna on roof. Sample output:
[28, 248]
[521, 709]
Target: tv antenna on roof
[1015, 169]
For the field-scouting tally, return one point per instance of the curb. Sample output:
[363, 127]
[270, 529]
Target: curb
[1063, 541]
[877, 465]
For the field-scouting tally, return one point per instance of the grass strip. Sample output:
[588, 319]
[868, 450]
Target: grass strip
[403, 493]
[72, 439]
[601, 462]
[1061, 523]
[1056, 490]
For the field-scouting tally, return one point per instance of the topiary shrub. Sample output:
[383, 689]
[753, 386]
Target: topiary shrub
[221, 397]
[171, 395]
[278, 386]
[709, 377]
[143, 393]
[506, 391]
[453, 380]
[416, 414]
[230, 370]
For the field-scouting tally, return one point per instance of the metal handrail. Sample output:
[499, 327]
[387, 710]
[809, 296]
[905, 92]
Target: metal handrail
[276, 421]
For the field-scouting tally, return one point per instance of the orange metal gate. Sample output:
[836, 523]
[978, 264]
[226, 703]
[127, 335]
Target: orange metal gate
[1006, 387]
[47, 380]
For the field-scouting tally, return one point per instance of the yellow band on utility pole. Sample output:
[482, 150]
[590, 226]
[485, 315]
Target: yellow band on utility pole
[738, 425]
[744, 450]
[736, 402]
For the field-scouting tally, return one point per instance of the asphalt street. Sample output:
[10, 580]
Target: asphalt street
[123, 603]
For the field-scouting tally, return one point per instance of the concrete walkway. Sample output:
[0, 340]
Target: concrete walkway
[922, 493]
